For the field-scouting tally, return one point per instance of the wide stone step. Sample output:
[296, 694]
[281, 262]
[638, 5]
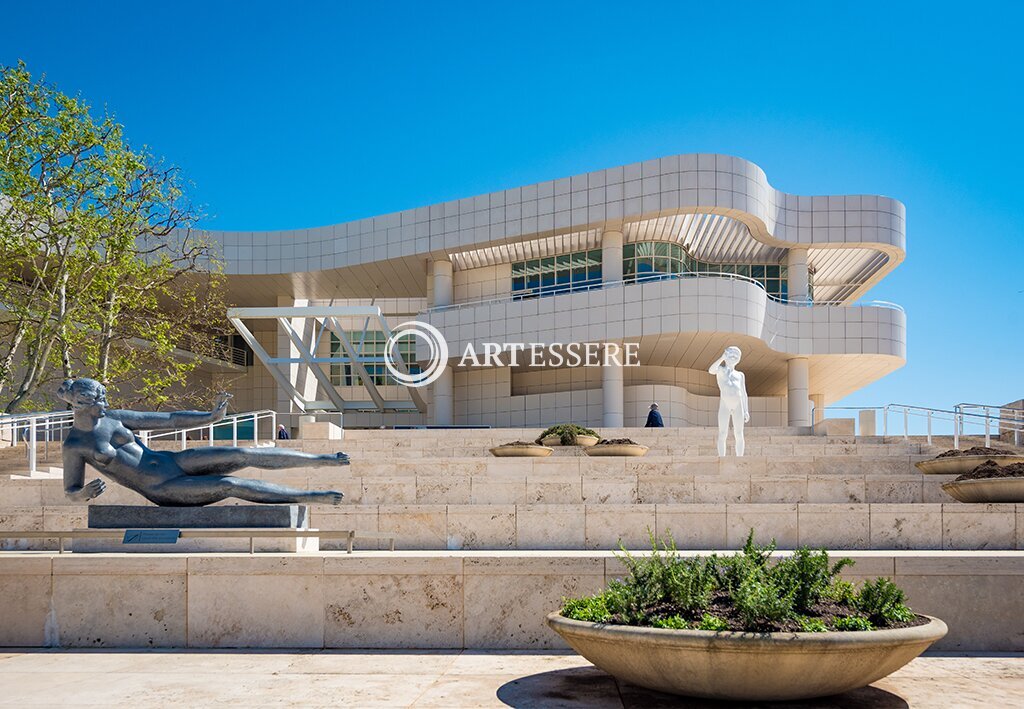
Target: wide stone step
[603, 526]
[472, 483]
[443, 599]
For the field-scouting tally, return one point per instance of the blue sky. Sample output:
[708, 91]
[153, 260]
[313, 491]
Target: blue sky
[313, 113]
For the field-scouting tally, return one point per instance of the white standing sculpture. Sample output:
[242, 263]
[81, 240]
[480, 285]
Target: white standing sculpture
[733, 402]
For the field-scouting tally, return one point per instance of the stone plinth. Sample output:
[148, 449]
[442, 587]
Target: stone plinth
[216, 517]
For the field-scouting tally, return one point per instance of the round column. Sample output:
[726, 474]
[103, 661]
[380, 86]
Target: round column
[796, 260]
[613, 400]
[443, 406]
[611, 255]
[442, 283]
[798, 386]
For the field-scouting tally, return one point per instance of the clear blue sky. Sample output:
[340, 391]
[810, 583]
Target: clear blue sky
[302, 114]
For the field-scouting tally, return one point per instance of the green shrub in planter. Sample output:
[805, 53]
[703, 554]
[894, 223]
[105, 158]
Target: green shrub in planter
[747, 591]
[567, 433]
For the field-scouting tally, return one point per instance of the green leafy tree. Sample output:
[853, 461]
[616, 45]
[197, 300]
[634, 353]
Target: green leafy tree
[101, 272]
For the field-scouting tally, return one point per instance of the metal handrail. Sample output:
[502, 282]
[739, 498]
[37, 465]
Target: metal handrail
[29, 427]
[181, 434]
[671, 276]
[957, 415]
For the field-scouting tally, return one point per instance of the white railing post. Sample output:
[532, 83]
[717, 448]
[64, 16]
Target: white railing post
[885, 421]
[906, 424]
[144, 437]
[273, 425]
[234, 432]
[211, 434]
[184, 439]
[956, 430]
[988, 431]
[255, 429]
[32, 461]
[929, 427]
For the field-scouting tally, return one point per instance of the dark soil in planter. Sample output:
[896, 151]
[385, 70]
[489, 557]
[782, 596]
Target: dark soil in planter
[617, 442]
[519, 443]
[826, 611]
[977, 450]
[991, 469]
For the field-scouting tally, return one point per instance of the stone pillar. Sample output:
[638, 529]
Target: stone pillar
[796, 260]
[866, 424]
[818, 401]
[444, 398]
[611, 254]
[298, 373]
[613, 394]
[442, 283]
[797, 401]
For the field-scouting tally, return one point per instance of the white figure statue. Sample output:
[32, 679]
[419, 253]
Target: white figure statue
[733, 402]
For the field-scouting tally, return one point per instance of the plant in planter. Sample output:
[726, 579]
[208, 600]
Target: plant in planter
[958, 462]
[989, 482]
[745, 626]
[568, 434]
[617, 447]
[520, 449]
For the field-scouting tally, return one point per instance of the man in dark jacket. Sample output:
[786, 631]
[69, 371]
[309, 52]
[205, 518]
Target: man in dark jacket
[654, 418]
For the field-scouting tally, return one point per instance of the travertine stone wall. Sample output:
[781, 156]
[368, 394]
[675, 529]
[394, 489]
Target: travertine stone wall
[406, 599]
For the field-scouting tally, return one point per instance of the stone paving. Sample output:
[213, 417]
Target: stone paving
[182, 678]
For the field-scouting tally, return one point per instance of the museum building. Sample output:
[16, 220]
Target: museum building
[682, 255]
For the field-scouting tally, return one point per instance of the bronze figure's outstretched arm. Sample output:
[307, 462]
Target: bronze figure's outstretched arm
[147, 420]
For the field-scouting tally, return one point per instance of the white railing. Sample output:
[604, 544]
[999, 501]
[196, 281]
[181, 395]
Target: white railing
[803, 303]
[35, 428]
[208, 432]
[959, 417]
[1008, 418]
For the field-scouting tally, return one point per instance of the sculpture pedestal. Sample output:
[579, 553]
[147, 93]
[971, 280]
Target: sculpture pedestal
[290, 517]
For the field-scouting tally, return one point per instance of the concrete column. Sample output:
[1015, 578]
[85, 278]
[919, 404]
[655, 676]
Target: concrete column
[818, 401]
[611, 255]
[799, 382]
[866, 423]
[444, 399]
[298, 374]
[796, 260]
[442, 283]
[613, 400]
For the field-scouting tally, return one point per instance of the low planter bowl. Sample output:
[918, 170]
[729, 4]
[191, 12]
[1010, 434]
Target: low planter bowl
[960, 464]
[533, 451]
[581, 440]
[746, 666]
[986, 490]
[619, 449]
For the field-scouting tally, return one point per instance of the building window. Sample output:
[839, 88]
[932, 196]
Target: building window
[652, 260]
[373, 342]
[556, 274]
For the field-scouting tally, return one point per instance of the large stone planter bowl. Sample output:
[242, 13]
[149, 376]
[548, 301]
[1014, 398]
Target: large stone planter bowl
[960, 464]
[581, 440]
[746, 666]
[620, 449]
[987, 490]
[521, 451]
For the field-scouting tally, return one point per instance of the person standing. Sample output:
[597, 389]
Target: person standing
[282, 433]
[654, 419]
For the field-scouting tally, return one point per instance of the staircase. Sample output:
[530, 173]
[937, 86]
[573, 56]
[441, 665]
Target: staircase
[441, 489]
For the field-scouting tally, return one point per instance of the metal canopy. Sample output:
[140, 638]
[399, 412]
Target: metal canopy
[325, 318]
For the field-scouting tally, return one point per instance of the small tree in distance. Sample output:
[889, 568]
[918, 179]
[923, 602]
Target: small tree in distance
[101, 271]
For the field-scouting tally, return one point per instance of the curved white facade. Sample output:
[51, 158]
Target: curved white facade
[458, 265]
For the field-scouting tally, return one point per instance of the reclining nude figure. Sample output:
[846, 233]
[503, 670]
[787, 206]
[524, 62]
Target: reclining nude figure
[105, 439]
[732, 403]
